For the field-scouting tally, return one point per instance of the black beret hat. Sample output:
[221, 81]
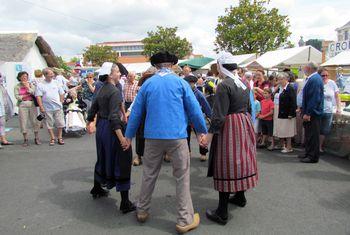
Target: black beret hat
[230, 67]
[191, 78]
[163, 57]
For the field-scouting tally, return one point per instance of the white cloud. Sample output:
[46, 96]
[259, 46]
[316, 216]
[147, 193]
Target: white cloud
[111, 20]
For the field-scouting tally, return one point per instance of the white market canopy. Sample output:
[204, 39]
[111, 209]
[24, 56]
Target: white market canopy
[239, 60]
[287, 57]
[342, 58]
[138, 67]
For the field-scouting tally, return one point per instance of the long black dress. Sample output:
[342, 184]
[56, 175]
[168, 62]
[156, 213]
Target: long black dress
[113, 166]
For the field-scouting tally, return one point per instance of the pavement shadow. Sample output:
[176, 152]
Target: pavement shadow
[274, 157]
[104, 212]
[340, 202]
[325, 175]
[203, 193]
[339, 162]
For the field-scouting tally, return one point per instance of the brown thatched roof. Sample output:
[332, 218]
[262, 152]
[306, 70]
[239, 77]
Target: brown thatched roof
[46, 52]
[15, 46]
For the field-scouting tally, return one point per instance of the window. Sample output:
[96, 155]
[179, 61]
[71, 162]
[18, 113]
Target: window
[346, 35]
[132, 53]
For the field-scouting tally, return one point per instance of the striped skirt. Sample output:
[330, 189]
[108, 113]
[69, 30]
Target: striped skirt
[234, 163]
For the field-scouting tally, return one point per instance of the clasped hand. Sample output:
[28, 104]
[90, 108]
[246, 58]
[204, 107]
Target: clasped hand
[204, 139]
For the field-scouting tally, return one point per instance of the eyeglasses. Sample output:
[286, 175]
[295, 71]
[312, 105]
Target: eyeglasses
[324, 75]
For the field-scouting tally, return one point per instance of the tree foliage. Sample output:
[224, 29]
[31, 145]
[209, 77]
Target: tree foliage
[74, 60]
[165, 39]
[62, 64]
[317, 43]
[251, 28]
[99, 54]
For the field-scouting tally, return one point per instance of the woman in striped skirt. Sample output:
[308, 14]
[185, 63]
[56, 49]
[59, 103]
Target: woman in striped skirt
[233, 149]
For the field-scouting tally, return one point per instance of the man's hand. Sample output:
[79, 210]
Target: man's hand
[42, 110]
[202, 140]
[306, 118]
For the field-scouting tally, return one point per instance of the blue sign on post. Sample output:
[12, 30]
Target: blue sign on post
[19, 68]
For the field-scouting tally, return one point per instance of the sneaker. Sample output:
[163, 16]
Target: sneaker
[285, 150]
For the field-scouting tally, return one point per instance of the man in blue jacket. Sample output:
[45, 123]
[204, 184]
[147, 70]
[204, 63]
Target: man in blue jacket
[312, 109]
[168, 104]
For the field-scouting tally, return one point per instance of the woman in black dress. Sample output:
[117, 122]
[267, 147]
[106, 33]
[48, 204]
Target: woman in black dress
[232, 155]
[113, 166]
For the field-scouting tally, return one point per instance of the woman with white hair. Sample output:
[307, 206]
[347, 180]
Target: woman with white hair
[286, 118]
[232, 161]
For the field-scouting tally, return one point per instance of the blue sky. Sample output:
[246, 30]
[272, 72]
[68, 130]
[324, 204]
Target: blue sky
[70, 26]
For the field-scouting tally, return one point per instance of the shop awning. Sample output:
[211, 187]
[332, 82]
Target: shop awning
[239, 60]
[196, 63]
[341, 59]
[287, 57]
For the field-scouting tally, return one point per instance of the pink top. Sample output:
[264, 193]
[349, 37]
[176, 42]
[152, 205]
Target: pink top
[26, 96]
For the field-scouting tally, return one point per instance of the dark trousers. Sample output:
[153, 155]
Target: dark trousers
[202, 151]
[312, 138]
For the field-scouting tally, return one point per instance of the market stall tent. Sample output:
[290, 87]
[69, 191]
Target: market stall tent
[196, 63]
[342, 59]
[23, 51]
[286, 58]
[239, 60]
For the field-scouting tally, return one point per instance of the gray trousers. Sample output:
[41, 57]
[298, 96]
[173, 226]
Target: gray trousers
[152, 162]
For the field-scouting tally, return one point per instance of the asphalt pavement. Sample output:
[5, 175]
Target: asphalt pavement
[45, 190]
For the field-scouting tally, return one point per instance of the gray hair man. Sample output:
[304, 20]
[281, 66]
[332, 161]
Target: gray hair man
[50, 98]
[312, 110]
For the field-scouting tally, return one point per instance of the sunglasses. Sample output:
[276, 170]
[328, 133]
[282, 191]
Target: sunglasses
[324, 75]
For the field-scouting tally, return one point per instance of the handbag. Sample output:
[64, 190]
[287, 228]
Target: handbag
[35, 101]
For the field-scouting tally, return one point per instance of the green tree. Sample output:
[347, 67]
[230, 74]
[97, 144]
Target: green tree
[165, 39]
[99, 54]
[317, 43]
[251, 28]
[62, 64]
[74, 59]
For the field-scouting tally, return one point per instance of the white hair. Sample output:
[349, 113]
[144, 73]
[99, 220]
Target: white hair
[46, 71]
[312, 65]
[248, 74]
[282, 75]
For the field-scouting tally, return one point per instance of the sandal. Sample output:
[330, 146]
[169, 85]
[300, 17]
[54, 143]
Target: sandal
[60, 141]
[52, 142]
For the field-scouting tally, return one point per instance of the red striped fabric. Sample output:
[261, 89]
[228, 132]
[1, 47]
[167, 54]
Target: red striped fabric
[235, 166]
